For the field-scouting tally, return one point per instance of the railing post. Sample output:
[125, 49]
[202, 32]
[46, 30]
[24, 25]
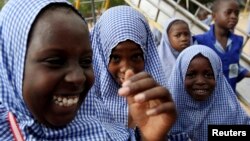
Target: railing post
[106, 4]
[77, 5]
[246, 6]
[93, 11]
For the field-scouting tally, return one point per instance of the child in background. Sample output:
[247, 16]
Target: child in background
[176, 37]
[122, 41]
[224, 42]
[202, 94]
[46, 73]
[204, 16]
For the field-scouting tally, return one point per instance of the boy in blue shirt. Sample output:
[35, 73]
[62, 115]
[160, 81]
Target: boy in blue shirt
[224, 42]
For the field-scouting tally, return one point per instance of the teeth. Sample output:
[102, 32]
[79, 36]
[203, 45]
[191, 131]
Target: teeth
[200, 91]
[65, 101]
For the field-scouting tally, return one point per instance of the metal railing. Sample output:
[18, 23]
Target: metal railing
[160, 10]
[237, 29]
[94, 15]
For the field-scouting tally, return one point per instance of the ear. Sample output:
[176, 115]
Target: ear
[213, 16]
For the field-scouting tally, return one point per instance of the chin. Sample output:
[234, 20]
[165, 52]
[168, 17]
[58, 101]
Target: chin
[201, 98]
[61, 123]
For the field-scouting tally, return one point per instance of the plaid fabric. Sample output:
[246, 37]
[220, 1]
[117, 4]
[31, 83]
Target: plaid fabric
[222, 107]
[119, 24]
[16, 19]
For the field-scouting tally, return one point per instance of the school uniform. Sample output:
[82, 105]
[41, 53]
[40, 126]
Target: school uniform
[116, 25]
[230, 56]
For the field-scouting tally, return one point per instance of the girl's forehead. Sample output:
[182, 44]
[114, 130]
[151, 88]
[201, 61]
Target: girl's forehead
[177, 23]
[180, 24]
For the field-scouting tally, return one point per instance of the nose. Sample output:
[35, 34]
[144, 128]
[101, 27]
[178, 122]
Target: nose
[200, 80]
[75, 75]
[124, 66]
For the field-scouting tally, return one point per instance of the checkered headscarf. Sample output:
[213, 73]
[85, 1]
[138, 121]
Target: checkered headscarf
[16, 19]
[119, 24]
[222, 107]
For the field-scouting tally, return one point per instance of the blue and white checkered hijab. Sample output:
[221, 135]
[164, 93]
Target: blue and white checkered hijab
[16, 19]
[167, 53]
[194, 116]
[119, 24]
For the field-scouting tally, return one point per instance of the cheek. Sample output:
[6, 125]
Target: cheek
[113, 69]
[187, 85]
[172, 40]
[39, 82]
[174, 43]
[212, 84]
[37, 87]
[36, 94]
[139, 67]
[90, 78]
[223, 18]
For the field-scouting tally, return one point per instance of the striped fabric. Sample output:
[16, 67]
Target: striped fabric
[194, 116]
[16, 19]
[119, 24]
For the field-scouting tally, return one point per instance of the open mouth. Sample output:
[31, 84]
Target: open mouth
[201, 92]
[65, 101]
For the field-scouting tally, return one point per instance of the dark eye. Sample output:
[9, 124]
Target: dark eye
[190, 75]
[55, 61]
[86, 62]
[186, 34]
[228, 12]
[236, 13]
[114, 59]
[209, 75]
[138, 57]
[178, 35]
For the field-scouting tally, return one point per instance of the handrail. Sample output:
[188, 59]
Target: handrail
[193, 19]
[188, 15]
[177, 8]
[90, 1]
[93, 18]
[201, 5]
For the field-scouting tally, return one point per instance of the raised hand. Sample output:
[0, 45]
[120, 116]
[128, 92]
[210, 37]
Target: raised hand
[151, 107]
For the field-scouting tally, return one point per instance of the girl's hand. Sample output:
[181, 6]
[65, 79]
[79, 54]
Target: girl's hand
[151, 107]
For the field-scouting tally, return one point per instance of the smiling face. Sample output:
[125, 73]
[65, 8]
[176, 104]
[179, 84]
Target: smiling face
[126, 55]
[179, 35]
[227, 14]
[199, 79]
[58, 67]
